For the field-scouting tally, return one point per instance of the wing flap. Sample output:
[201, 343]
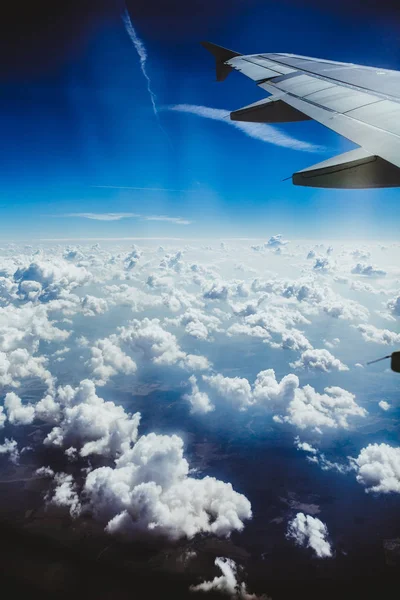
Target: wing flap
[271, 110]
[356, 169]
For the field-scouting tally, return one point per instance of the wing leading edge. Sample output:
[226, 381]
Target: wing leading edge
[360, 103]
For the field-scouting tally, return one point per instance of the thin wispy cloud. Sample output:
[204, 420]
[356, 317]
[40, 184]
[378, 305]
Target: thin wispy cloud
[176, 220]
[127, 215]
[142, 53]
[259, 131]
[103, 216]
[144, 189]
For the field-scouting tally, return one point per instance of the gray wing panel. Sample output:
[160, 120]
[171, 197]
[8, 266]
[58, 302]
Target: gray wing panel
[375, 140]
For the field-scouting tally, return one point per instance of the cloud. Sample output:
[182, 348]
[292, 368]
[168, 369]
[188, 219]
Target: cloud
[384, 405]
[148, 338]
[141, 50]
[378, 468]
[176, 220]
[227, 583]
[310, 532]
[319, 359]
[119, 216]
[235, 389]
[108, 360]
[370, 333]
[149, 490]
[368, 271]
[87, 423]
[199, 401]
[276, 241]
[259, 131]
[394, 306]
[332, 409]
[10, 448]
[17, 413]
[103, 216]
[305, 446]
[65, 494]
[324, 264]
[303, 407]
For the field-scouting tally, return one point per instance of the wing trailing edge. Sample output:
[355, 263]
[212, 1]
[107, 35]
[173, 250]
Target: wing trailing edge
[356, 169]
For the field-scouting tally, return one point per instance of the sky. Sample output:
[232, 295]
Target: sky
[110, 128]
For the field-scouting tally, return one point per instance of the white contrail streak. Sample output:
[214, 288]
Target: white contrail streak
[259, 131]
[141, 50]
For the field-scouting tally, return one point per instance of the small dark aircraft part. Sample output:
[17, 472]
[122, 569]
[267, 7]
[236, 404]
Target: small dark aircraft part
[394, 362]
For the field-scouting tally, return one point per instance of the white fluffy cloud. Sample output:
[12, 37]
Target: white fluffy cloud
[10, 448]
[87, 423]
[150, 490]
[303, 407]
[320, 360]
[227, 583]
[148, 338]
[18, 413]
[368, 270]
[384, 405]
[108, 359]
[199, 401]
[378, 468]
[19, 364]
[310, 532]
[394, 306]
[370, 333]
[45, 280]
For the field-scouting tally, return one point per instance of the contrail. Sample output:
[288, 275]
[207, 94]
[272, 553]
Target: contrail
[142, 53]
[259, 131]
[141, 50]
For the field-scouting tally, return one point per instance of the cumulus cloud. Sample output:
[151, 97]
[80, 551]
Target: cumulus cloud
[384, 405]
[303, 407]
[65, 494]
[19, 364]
[378, 468]
[324, 264]
[10, 448]
[368, 270]
[149, 490]
[235, 389]
[305, 446]
[148, 338]
[87, 423]
[108, 360]
[370, 333]
[18, 413]
[199, 401]
[310, 532]
[319, 360]
[227, 583]
[394, 306]
[276, 241]
[46, 280]
[332, 409]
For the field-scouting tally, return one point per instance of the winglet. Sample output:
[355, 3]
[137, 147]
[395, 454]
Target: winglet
[221, 55]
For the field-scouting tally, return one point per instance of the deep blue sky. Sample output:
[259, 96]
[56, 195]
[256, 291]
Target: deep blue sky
[76, 113]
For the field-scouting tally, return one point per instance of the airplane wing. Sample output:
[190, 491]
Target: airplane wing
[360, 103]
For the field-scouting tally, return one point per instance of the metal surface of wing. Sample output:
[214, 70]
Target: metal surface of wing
[361, 103]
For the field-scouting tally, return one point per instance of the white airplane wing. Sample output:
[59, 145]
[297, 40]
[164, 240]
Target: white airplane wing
[360, 103]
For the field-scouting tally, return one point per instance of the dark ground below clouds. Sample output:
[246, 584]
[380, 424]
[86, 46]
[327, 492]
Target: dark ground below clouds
[37, 565]
[45, 553]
